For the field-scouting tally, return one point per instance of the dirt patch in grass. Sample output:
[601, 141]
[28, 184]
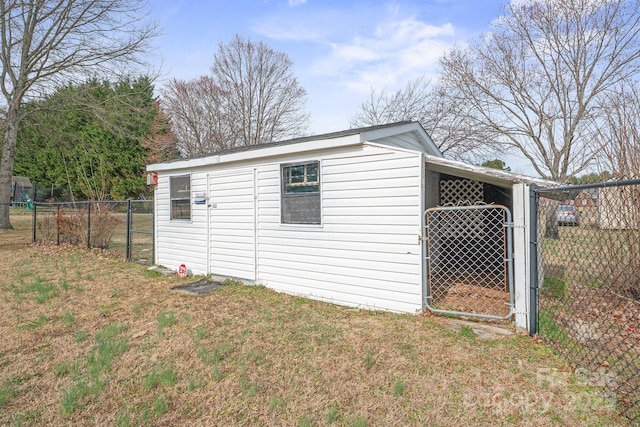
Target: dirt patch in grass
[470, 298]
[113, 345]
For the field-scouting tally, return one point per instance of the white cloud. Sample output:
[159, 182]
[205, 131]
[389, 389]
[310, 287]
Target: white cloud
[341, 53]
[397, 50]
[294, 3]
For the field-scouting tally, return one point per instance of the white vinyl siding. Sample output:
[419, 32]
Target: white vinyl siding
[232, 226]
[179, 242]
[367, 252]
[405, 141]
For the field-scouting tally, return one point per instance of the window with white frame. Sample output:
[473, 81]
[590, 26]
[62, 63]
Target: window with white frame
[300, 193]
[180, 195]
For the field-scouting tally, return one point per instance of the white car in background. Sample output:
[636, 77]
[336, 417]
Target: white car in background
[568, 215]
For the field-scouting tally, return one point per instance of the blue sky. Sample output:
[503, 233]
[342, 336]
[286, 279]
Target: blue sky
[340, 49]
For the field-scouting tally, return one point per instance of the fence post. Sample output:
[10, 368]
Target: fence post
[153, 231]
[58, 225]
[128, 237]
[533, 260]
[35, 220]
[88, 224]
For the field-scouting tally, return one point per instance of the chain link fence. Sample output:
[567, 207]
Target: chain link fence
[124, 228]
[21, 232]
[469, 270]
[588, 241]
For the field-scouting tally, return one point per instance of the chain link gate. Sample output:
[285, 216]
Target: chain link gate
[469, 262]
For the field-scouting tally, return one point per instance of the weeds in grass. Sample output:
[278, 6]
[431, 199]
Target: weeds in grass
[276, 403]
[160, 405]
[549, 328]
[214, 356]
[231, 282]
[333, 415]
[199, 333]
[305, 421]
[139, 306]
[123, 419]
[64, 285]
[106, 309]
[160, 377]
[152, 274]
[555, 287]
[194, 385]
[79, 336]
[15, 290]
[7, 391]
[368, 360]
[34, 324]
[146, 416]
[44, 291]
[467, 333]
[165, 319]
[216, 374]
[398, 388]
[23, 274]
[109, 344]
[71, 397]
[409, 351]
[115, 293]
[248, 388]
[68, 318]
[62, 369]
[358, 422]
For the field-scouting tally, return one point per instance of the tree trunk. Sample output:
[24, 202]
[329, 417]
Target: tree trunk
[6, 165]
[551, 230]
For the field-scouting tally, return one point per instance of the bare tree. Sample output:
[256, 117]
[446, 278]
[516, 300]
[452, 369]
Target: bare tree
[619, 133]
[47, 42]
[197, 115]
[441, 115]
[264, 101]
[619, 138]
[535, 77]
[251, 98]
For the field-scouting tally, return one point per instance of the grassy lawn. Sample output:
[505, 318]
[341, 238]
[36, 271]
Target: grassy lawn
[88, 339]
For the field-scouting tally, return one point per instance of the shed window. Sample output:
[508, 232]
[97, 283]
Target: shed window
[300, 193]
[180, 197]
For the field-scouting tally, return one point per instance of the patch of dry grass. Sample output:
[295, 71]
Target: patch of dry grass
[114, 345]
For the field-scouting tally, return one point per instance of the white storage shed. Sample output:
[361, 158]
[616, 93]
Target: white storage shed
[341, 217]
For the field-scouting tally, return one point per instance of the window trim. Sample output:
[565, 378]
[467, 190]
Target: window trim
[187, 198]
[293, 195]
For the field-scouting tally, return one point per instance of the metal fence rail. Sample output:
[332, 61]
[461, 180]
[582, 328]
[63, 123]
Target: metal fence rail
[588, 246]
[124, 228]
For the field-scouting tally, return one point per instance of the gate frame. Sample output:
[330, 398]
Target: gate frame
[508, 225]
